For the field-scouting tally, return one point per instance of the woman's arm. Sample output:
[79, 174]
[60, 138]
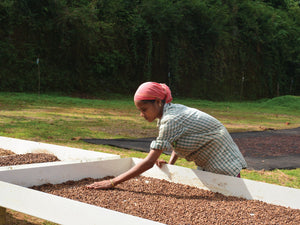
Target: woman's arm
[138, 169]
[173, 158]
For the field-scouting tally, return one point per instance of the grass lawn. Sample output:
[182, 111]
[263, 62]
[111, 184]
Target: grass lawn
[62, 120]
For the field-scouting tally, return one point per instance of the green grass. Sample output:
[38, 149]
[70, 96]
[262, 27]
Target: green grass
[58, 119]
[289, 178]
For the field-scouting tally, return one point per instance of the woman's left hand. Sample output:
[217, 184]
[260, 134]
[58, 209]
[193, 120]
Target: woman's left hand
[105, 184]
[160, 162]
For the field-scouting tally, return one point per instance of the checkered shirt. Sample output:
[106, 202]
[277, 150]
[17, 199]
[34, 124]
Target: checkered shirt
[198, 137]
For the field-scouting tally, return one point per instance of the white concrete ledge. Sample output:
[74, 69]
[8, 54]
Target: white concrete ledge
[229, 186]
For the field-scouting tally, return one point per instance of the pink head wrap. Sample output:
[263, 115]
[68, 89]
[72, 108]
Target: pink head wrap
[153, 90]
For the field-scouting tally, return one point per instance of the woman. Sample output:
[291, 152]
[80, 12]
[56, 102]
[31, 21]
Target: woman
[189, 132]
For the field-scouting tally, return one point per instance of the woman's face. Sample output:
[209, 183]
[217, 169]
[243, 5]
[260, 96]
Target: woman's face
[150, 110]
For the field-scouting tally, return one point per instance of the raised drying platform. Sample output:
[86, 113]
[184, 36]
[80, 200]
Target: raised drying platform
[15, 195]
[63, 153]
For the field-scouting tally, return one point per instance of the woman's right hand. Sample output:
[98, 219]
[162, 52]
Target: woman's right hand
[105, 184]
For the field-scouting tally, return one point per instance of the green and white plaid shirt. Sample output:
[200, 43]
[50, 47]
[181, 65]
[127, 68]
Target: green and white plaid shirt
[198, 137]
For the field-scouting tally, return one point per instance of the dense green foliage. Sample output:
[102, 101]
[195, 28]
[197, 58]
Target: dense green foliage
[211, 49]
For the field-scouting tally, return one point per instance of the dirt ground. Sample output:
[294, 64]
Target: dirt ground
[268, 143]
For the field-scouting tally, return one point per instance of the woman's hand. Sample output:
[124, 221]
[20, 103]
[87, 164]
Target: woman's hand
[160, 162]
[105, 184]
[145, 164]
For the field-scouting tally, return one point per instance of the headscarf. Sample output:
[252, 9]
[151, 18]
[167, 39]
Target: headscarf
[153, 90]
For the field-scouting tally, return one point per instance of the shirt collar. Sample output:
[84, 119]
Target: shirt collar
[166, 106]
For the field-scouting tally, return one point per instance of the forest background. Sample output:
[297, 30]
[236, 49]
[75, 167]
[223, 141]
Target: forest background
[209, 49]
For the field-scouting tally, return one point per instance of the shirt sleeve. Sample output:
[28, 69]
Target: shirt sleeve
[169, 132]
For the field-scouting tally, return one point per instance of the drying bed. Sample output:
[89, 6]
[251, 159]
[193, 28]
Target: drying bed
[15, 194]
[4, 152]
[28, 158]
[170, 203]
[63, 153]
